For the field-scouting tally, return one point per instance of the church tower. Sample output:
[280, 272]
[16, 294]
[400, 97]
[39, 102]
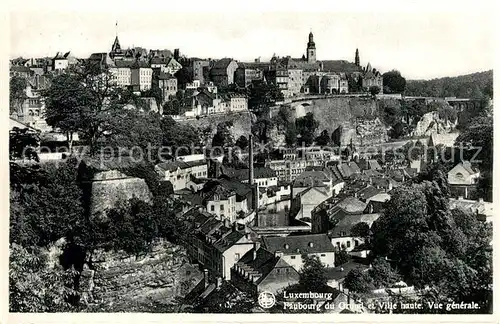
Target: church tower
[311, 49]
[116, 45]
[356, 58]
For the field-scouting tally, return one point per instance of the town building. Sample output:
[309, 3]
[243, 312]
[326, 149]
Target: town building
[200, 69]
[260, 270]
[179, 172]
[141, 75]
[341, 235]
[62, 61]
[483, 210]
[306, 201]
[247, 73]
[216, 245]
[462, 178]
[122, 73]
[166, 82]
[166, 64]
[222, 73]
[291, 248]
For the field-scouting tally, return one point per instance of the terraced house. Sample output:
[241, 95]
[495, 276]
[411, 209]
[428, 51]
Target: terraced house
[179, 172]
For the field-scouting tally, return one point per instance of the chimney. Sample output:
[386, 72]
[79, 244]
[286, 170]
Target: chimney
[460, 198]
[254, 254]
[227, 223]
[255, 194]
[205, 277]
[250, 161]
[256, 245]
[481, 200]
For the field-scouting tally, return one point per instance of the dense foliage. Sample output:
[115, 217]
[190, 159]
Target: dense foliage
[432, 246]
[394, 82]
[17, 93]
[464, 86]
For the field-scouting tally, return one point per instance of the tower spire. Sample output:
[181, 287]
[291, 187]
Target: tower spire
[356, 57]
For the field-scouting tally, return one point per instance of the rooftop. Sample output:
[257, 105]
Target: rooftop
[311, 243]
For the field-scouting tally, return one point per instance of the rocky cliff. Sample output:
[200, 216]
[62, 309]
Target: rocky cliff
[431, 123]
[357, 118]
[150, 283]
[242, 123]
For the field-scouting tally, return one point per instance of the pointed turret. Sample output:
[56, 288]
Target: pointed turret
[356, 58]
[116, 45]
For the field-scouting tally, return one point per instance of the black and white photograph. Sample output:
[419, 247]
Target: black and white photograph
[251, 162]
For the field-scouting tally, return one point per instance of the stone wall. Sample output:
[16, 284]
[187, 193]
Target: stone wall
[110, 187]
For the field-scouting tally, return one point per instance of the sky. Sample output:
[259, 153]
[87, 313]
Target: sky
[421, 42]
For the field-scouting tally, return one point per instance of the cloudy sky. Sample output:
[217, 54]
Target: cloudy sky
[431, 39]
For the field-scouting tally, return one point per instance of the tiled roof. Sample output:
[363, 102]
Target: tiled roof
[351, 205]
[341, 272]
[340, 66]
[264, 262]
[174, 165]
[220, 192]
[367, 193]
[20, 68]
[228, 241]
[468, 167]
[311, 243]
[472, 206]
[123, 64]
[346, 224]
[448, 139]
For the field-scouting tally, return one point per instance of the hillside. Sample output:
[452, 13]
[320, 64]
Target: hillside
[464, 86]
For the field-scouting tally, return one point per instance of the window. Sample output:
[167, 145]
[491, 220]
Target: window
[292, 257]
[236, 256]
[348, 243]
[221, 207]
[212, 208]
[323, 255]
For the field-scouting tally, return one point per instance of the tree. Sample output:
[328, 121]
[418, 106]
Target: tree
[223, 137]
[34, 286]
[17, 93]
[178, 137]
[291, 135]
[263, 95]
[374, 90]
[336, 136]
[47, 204]
[23, 143]
[242, 143]
[306, 127]
[283, 118]
[358, 281]
[84, 100]
[361, 230]
[323, 139]
[313, 273]
[128, 132]
[184, 76]
[341, 257]
[430, 245]
[394, 82]
[382, 274]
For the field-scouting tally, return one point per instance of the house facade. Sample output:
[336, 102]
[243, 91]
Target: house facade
[291, 248]
[216, 245]
[179, 172]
